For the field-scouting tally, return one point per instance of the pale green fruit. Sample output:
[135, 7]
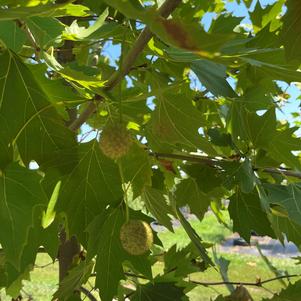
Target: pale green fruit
[136, 237]
[115, 140]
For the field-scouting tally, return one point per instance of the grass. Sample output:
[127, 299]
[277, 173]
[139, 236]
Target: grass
[209, 230]
[243, 268]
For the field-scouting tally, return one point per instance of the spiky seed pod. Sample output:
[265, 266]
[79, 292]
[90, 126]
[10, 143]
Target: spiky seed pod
[136, 237]
[115, 140]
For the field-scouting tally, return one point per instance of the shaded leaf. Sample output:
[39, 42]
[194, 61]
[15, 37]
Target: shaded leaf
[156, 204]
[246, 212]
[91, 185]
[20, 194]
[213, 77]
[188, 193]
[176, 120]
[281, 146]
[291, 293]
[289, 197]
[236, 173]
[46, 31]
[47, 10]
[136, 168]
[32, 118]
[158, 291]
[11, 35]
[104, 239]
[285, 228]
[75, 278]
[291, 31]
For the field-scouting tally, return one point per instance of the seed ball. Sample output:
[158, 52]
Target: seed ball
[115, 140]
[136, 237]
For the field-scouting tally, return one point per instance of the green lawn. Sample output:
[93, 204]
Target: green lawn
[242, 268]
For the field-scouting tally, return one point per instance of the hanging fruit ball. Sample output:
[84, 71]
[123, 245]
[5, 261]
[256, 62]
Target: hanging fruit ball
[136, 237]
[115, 140]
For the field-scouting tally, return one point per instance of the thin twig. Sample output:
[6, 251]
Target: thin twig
[165, 10]
[286, 172]
[88, 293]
[30, 37]
[258, 283]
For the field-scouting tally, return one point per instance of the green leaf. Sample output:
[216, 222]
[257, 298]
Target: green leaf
[32, 118]
[15, 276]
[136, 169]
[246, 212]
[58, 92]
[20, 194]
[188, 193]
[47, 10]
[176, 120]
[213, 77]
[131, 8]
[195, 239]
[236, 173]
[288, 197]
[281, 146]
[291, 293]
[49, 214]
[286, 229]
[104, 241]
[206, 177]
[189, 36]
[77, 33]
[109, 252]
[158, 291]
[155, 202]
[77, 74]
[223, 266]
[291, 31]
[182, 262]
[250, 127]
[46, 31]
[11, 35]
[91, 185]
[72, 282]
[263, 68]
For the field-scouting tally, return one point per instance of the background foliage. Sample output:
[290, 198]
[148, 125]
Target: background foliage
[202, 102]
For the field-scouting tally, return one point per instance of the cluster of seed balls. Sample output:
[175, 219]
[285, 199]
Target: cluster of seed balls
[136, 236]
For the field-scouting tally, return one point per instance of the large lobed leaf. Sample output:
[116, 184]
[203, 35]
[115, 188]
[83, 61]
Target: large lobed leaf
[21, 194]
[27, 117]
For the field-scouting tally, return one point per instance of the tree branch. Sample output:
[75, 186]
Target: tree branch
[165, 10]
[286, 172]
[258, 283]
[214, 162]
[22, 25]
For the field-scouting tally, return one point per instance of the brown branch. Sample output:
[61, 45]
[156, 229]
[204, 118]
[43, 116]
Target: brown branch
[258, 283]
[88, 293]
[214, 162]
[165, 10]
[191, 158]
[286, 172]
[23, 26]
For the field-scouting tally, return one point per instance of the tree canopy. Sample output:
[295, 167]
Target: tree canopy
[113, 111]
